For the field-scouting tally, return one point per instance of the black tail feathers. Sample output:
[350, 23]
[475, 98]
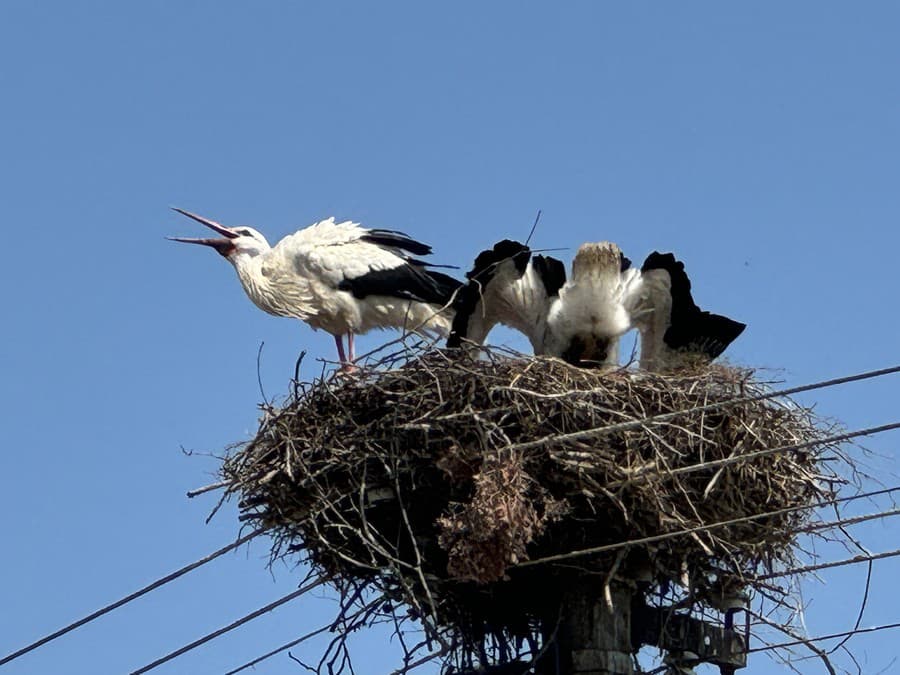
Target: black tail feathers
[703, 333]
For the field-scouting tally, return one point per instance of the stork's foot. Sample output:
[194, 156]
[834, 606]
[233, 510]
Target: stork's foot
[347, 365]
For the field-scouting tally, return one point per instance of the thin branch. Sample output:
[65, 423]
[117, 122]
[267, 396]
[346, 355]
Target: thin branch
[208, 488]
[259, 374]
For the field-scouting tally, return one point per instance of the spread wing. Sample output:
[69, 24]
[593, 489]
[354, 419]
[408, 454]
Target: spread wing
[510, 286]
[663, 308]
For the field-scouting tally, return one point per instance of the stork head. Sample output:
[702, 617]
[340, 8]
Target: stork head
[234, 242]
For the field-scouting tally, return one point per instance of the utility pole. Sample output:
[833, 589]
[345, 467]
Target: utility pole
[592, 634]
[598, 630]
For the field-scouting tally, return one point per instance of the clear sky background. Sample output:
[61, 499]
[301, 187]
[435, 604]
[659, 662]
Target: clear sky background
[759, 141]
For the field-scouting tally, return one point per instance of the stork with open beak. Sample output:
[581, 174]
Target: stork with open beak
[340, 277]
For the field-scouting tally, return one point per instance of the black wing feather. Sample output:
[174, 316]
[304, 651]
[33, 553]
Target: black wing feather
[692, 329]
[396, 239]
[482, 272]
[408, 281]
[683, 305]
[705, 333]
[486, 262]
[552, 273]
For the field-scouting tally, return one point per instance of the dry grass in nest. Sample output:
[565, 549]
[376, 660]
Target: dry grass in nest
[443, 484]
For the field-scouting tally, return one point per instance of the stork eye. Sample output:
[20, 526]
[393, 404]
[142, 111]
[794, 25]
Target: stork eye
[244, 232]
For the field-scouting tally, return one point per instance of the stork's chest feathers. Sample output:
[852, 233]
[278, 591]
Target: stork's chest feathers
[268, 271]
[272, 288]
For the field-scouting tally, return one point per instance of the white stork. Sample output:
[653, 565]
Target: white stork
[581, 320]
[340, 277]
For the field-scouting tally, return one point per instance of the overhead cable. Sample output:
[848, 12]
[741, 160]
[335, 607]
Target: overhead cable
[829, 565]
[819, 638]
[128, 598]
[723, 523]
[278, 650]
[225, 629]
[665, 417]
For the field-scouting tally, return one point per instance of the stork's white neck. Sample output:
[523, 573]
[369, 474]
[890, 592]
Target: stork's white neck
[249, 269]
[272, 282]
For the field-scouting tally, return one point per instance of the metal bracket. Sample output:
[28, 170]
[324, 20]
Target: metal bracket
[694, 640]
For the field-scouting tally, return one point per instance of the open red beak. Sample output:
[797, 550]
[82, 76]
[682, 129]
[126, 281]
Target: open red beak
[223, 246]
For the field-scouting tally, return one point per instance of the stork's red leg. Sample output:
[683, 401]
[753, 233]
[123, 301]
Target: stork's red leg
[339, 341]
[350, 347]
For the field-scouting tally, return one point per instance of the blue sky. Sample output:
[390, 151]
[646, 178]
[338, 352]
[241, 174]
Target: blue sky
[760, 142]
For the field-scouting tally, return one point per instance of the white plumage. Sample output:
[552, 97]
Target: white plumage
[590, 316]
[340, 277]
[510, 286]
[581, 320]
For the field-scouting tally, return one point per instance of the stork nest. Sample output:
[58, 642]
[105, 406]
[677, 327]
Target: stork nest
[474, 493]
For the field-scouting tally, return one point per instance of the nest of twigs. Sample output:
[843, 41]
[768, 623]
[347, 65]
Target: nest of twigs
[474, 493]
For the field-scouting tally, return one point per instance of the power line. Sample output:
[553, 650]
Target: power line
[711, 464]
[128, 598]
[836, 438]
[828, 524]
[722, 523]
[665, 417]
[234, 624]
[622, 427]
[284, 647]
[737, 459]
[848, 633]
[828, 565]
[798, 570]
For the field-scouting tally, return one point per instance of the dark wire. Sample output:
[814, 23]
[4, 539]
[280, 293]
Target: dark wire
[128, 598]
[847, 633]
[740, 400]
[805, 569]
[278, 650]
[234, 624]
[723, 523]
[587, 433]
